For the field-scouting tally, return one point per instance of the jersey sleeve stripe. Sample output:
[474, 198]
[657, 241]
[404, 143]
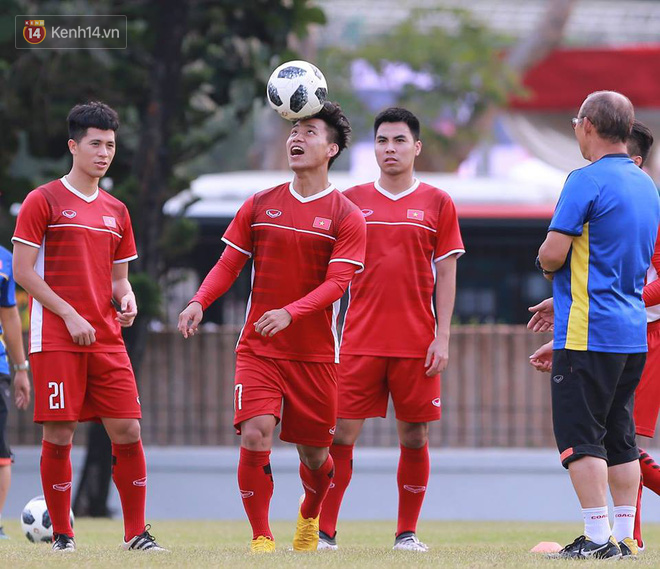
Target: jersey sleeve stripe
[25, 242]
[126, 260]
[228, 242]
[351, 261]
[457, 252]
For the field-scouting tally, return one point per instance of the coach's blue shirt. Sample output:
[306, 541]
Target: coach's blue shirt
[612, 208]
[7, 298]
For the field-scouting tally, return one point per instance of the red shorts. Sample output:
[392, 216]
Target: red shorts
[83, 386]
[647, 394]
[302, 394]
[365, 383]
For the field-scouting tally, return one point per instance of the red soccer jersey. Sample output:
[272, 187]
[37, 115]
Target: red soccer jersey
[79, 238]
[390, 311]
[292, 240]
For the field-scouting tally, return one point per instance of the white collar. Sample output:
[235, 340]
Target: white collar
[396, 197]
[331, 188]
[68, 186]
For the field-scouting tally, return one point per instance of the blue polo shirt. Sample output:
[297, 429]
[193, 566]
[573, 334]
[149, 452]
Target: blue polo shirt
[612, 209]
[7, 298]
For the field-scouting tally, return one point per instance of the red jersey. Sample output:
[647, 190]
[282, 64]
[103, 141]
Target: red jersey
[292, 240]
[390, 311]
[79, 238]
[652, 293]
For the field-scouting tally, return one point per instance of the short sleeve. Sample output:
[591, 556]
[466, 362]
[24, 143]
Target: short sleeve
[448, 232]
[239, 232]
[7, 284]
[351, 243]
[33, 219]
[575, 205]
[126, 250]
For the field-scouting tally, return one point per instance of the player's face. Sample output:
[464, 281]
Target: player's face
[396, 149]
[94, 153]
[308, 146]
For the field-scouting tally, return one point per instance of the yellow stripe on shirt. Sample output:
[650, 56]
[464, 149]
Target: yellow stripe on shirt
[577, 332]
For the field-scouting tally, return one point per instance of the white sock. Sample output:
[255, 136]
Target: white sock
[624, 522]
[596, 524]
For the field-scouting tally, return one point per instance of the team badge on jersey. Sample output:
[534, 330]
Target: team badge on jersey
[367, 212]
[417, 214]
[110, 221]
[321, 223]
[273, 213]
[69, 213]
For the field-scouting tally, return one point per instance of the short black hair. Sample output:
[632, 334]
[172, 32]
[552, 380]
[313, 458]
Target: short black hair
[398, 114]
[611, 113]
[640, 141]
[91, 115]
[339, 128]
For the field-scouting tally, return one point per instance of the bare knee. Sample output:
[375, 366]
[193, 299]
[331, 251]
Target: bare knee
[313, 457]
[347, 431]
[59, 432]
[123, 431]
[257, 434]
[413, 435]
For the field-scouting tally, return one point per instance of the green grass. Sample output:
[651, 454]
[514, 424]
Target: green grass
[362, 545]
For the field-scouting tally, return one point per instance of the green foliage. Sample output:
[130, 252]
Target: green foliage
[463, 70]
[147, 294]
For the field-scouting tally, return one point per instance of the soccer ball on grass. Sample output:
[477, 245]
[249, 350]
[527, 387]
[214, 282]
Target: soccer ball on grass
[35, 521]
[297, 90]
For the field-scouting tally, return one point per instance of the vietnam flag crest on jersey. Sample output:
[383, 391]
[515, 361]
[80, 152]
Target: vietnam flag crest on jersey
[321, 223]
[417, 214]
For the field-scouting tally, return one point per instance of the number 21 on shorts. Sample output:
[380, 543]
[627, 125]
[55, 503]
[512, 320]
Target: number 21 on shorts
[56, 398]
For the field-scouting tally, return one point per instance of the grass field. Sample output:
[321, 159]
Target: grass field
[362, 545]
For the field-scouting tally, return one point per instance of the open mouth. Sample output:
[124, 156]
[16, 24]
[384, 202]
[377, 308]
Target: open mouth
[297, 151]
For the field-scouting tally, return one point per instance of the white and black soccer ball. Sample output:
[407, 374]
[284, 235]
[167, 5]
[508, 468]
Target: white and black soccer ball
[297, 90]
[35, 521]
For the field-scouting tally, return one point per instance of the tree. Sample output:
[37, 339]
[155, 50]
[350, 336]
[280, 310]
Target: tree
[192, 72]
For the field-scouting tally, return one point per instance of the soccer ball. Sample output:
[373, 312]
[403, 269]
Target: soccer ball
[35, 521]
[296, 90]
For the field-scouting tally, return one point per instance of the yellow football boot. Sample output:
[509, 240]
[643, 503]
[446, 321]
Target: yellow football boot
[262, 544]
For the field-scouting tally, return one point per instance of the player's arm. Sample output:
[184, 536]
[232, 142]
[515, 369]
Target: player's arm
[25, 256]
[336, 281]
[553, 251]
[13, 338]
[437, 355]
[651, 291]
[122, 294]
[216, 283]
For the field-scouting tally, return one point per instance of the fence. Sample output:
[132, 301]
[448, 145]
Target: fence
[491, 395]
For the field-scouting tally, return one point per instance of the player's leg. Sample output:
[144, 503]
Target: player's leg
[623, 455]
[112, 395]
[417, 402]
[257, 406]
[58, 401]
[362, 393]
[341, 451]
[5, 451]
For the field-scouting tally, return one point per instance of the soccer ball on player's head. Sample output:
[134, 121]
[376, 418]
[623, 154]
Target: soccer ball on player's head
[297, 90]
[35, 521]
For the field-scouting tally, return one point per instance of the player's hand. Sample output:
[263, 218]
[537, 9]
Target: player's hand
[437, 357]
[544, 316]
[190, 318]
[541, 359]
[128, 310]
[21, 389]
[82, 332]
[272, 322]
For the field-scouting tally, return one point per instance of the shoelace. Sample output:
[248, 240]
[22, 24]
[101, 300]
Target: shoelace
[578, 541]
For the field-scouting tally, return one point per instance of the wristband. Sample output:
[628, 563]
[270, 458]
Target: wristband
[25, 366]
[540, 268]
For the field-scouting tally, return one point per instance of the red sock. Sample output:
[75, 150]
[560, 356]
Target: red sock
[316, 484]
[129, 472]
[56, 482]
[650, 471]
[342, 456]
[412, 478]
[255, 483]
[637, 530]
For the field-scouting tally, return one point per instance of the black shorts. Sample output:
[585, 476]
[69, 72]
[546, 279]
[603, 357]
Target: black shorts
[593, 394]
[5, 402]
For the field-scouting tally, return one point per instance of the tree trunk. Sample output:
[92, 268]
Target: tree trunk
[153, 168]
